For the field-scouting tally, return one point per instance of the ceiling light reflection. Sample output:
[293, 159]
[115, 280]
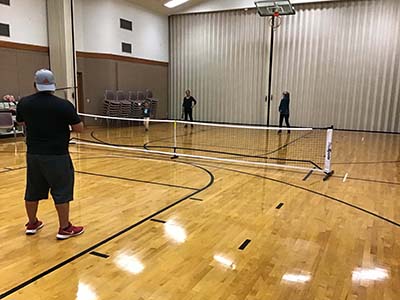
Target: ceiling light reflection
[174, 3]
[85, 292]
[175, 231]
[298, 278]
[376, 274]
[129, 263]
[226, 262]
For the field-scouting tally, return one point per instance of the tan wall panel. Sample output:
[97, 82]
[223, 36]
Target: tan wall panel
[98, 76]
[139, 77]
[101, 74]
[8, 72]
[17, 68]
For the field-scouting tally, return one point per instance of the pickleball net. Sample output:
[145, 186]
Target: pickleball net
[307, 149]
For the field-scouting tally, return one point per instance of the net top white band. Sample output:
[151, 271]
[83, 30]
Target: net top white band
[198, 123]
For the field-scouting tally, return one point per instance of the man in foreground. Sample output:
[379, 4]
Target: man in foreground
[49, 167]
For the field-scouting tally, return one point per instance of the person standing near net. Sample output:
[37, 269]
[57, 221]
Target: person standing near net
[146, 114]
[49, 166]
[284, 111]
[188, 104]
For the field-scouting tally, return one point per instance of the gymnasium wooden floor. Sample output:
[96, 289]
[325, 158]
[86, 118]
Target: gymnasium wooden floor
[171, 229]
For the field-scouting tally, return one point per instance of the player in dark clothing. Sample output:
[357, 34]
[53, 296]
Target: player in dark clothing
[49, 167]
[188, 103]
[284, 110]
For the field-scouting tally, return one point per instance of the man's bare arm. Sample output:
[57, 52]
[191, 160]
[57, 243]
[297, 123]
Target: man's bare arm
[77, 127]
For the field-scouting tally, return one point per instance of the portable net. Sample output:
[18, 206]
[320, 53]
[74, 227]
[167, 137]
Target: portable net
[299, 148]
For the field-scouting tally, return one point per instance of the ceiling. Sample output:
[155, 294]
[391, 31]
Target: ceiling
[158, 6]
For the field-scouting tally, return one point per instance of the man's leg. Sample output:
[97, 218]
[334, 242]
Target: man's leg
[37, 188]
[63, 214]
[31, 210]
[60, 173]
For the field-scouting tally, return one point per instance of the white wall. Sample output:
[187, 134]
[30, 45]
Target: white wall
[28, 21]
[216, 5]
[98, 29]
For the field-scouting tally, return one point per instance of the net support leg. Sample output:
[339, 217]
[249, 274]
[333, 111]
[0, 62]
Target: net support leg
[308, 175]
[328, 154]
[175, 156]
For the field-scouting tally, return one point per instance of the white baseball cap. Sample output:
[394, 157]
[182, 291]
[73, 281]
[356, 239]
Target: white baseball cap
[45, 81]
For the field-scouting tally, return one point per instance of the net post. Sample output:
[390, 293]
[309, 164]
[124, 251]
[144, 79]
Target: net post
[175, 143]
[328, 153]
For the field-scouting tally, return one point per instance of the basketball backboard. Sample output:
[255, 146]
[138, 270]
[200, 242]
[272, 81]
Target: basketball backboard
[268, 8]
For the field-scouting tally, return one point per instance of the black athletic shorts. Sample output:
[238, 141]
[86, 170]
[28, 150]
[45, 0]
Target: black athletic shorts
[54, 173]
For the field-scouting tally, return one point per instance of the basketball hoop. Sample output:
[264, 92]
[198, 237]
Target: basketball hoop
[276, 14]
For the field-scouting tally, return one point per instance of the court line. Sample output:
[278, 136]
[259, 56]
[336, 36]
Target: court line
[196, 199]
[244, 244]
[136, 155]
[110, 238]
[369, 180]
[102, 255]
[137, 180]
[158, 221]
[146, 149]
[100, 141]
[12, 169]
[287, 144]
[317, 193]
[295, 171]
[367, 162]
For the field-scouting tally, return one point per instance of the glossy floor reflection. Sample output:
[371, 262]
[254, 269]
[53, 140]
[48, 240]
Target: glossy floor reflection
[336, 240]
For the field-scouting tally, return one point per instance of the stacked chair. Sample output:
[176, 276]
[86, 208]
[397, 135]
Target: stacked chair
[125, 104]
[128, 104]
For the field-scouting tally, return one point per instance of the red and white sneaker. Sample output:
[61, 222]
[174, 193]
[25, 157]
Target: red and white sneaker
[31, 229]
[70, 231]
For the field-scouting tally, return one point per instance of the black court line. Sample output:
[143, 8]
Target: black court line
[106, 143]
[102, 255]
[234, 154]
[317, 193]
[292, 171]
[279, 206]
[110, 238]
[287, 144]
[333, 176]
[298, 172]
[137, 180]
[158, 221]
[244, 244]
[181, 135]
[367, 162]
[196, 199]
[368, 180]
[147, 147]
[6, 170]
